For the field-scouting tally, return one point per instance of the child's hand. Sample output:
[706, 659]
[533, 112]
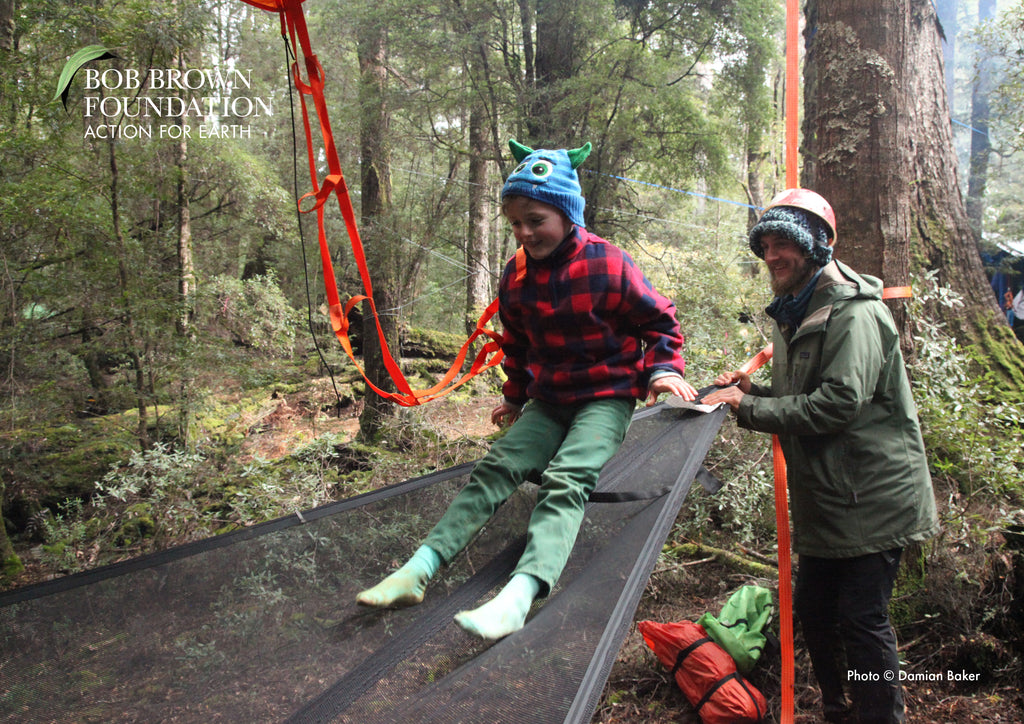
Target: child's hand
[673, 385]
[506, 413]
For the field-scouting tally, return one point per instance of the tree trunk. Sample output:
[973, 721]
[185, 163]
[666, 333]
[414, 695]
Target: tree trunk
[6, 24]
[10, 563]
[858, 128]
[755, 185]
[529, 61]
[127, 312]
[478, 266]
[381, 256]
[555, 56]
[186, 269]
[947, 11]
[981, 147]
[483, 142]
[879, 146]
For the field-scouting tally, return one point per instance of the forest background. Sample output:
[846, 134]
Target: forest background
[170, 372]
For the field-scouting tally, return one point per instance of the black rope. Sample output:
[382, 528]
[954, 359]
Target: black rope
[289, 58]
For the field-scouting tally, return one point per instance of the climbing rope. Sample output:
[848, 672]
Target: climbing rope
[293, 29]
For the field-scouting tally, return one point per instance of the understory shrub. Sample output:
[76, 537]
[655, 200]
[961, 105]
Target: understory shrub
[253, 312]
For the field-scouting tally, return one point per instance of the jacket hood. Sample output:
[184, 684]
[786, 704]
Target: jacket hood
[841, 282]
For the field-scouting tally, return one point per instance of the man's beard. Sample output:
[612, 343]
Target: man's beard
[792, 284]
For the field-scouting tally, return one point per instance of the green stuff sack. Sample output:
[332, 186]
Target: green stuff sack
[738, 628]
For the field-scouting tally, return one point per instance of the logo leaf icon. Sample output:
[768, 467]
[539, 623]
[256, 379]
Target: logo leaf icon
[74, 64]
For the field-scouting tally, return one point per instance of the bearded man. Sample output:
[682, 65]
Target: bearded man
[859, 486]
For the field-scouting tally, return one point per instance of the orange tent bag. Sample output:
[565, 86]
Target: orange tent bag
[705, 672]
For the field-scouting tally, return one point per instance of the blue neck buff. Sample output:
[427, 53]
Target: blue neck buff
[791, 310]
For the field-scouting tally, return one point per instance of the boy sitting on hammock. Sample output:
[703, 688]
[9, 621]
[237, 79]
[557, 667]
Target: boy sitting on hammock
[585, 335]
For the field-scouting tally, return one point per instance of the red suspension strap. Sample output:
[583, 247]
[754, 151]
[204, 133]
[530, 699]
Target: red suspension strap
[293, 28]
[792, 93]
[785, 561]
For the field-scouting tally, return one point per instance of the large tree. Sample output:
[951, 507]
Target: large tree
[981, 145]
[878, 144]
[375, 210]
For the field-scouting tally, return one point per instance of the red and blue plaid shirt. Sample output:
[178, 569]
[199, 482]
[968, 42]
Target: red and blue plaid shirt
[584, 324]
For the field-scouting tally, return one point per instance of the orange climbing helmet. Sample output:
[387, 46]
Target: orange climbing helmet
[802, 216]
[808, 201]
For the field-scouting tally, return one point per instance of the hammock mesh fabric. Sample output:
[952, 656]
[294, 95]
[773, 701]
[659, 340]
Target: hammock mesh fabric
[261, 625]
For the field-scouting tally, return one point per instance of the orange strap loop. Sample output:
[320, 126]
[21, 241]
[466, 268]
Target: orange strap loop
[758, 360]
[293, 27]
[897, 292]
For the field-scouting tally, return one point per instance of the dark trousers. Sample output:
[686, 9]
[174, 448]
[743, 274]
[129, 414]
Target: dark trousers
[843, 608]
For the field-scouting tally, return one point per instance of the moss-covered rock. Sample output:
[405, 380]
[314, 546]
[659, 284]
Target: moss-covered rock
[430, 344]
[137, 525]
[11, 566]
[44, 466]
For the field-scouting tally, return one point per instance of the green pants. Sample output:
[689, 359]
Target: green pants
[567, 445]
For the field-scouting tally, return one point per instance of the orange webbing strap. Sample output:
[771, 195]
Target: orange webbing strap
[785, 565]
[785, 582]
[792, 94]
[520, 264]
[758, 360]
[293, 26]
[897, 292]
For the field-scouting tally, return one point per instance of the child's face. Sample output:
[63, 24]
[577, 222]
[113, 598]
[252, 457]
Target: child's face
[537, 226]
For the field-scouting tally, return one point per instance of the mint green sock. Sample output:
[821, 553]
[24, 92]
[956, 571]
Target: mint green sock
[505, 613]
[406, 586]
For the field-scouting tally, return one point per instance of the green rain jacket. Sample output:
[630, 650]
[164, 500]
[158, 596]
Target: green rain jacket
[841, 404]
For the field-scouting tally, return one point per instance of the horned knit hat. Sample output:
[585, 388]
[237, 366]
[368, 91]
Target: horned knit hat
[803, 228]
[549, 176]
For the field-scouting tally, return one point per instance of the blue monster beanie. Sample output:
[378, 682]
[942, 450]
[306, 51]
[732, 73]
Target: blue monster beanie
[549, 176]
[801, 227]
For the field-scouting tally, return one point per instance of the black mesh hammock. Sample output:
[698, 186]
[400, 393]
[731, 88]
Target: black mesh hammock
[261, 625]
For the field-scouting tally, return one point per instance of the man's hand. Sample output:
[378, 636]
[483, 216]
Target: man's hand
[673, 385]
[734, 386]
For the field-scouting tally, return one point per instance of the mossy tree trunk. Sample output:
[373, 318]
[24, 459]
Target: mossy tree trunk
[10, 564]
[6, 24]
[375, 175]
[556, 48]
[186, 263]
[879, 146]
[478, 263]
[132, 344]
